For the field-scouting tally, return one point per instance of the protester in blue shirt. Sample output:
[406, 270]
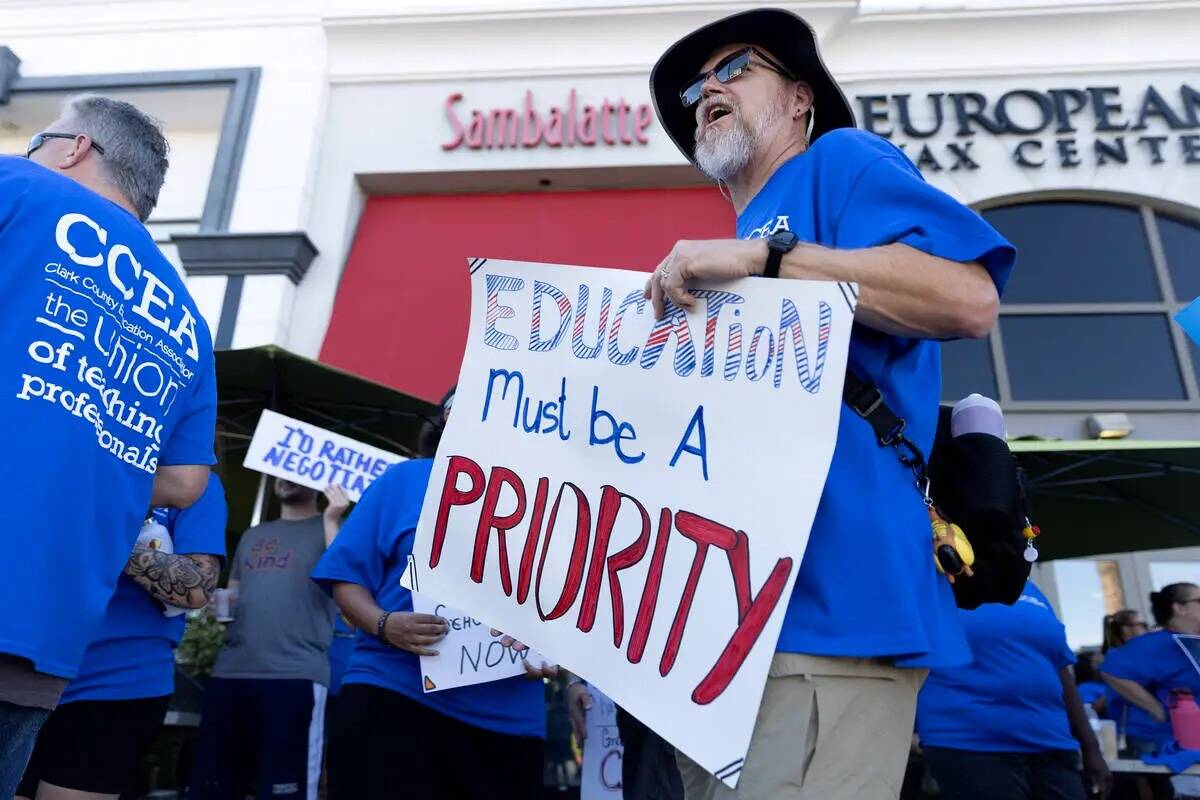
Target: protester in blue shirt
[1010, 724]
[110, 713]
[387, 736]
[1145, 669]
[1135, 727]
[749, 102]
[111, 405]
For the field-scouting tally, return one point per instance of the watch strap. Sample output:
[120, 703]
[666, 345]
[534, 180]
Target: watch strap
[774, 258]
[778, 243]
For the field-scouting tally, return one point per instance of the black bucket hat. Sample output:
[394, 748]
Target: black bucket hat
[783, 34]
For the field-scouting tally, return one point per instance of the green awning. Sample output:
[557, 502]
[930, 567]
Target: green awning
[1112, 496]
[251, 380]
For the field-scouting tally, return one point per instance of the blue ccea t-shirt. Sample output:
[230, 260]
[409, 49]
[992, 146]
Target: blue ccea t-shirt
[133, 654]
[372, 550]
[106, 374]
[1009, 699]
[1155, 661]
[867, 586]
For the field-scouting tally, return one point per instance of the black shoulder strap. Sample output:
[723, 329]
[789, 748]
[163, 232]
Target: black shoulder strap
[867, 401]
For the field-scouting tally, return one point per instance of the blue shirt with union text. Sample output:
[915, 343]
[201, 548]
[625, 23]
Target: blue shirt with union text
[106, 374]
[867, 586]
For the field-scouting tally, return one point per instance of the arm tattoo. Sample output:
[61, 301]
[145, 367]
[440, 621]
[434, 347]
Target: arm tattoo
[186, 581]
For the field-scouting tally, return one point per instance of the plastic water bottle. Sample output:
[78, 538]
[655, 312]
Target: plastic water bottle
[155, 536]
[977, 414]
[1185, 720]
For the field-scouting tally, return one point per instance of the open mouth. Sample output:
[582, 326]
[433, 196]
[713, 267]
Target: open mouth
[715, 113]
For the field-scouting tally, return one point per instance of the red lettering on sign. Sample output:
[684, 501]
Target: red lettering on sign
[566, 125]
[645, 614]
[749, 627]
[451, 496]
[488, 521]
[606, 517]
[581, 575]
[583, 525]
[531, 540]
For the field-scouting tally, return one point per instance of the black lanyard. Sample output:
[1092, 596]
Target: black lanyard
[867, 401]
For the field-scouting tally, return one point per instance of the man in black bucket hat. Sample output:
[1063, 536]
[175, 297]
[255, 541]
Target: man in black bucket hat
[750, 103]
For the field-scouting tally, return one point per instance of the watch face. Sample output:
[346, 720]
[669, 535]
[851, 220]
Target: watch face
[785, 239]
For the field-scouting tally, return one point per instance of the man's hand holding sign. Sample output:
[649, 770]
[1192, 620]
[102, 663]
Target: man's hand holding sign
[598, 496]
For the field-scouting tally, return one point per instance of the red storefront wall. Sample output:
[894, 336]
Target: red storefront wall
[401, 313]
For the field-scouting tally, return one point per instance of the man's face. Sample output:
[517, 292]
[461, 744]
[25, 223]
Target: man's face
[289, 493]
[733, 119]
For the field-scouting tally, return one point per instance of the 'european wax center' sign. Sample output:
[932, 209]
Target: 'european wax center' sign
[311, 456]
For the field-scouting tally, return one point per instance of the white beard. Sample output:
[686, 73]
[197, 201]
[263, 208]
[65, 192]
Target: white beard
[723, 154]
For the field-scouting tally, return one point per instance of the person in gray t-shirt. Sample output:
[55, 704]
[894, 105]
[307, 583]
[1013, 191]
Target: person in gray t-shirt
[268, 686]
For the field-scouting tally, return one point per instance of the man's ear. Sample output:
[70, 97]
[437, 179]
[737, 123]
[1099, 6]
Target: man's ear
[81, 145]
[802, 99]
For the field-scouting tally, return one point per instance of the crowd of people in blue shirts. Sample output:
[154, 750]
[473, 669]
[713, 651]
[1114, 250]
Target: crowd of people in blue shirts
[1015, 722]
[119, 444]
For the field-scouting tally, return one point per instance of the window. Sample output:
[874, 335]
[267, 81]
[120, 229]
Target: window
[1077, 253]
[1088, 589]
[966, 368]
[1091, 357]
[1087, 314]
[1181, 246]
[1164, 573]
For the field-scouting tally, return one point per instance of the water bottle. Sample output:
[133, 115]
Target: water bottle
[1185, 720]
[155, 536]
[977, 414]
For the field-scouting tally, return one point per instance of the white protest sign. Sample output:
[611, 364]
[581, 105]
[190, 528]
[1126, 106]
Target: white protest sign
[633, 497]
[469, 654]
[600, 778]
[311, 456]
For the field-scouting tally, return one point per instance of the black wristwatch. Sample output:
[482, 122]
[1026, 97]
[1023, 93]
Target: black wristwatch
[779, 243]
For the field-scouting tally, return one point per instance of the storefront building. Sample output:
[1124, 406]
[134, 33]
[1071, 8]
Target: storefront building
[336, 164]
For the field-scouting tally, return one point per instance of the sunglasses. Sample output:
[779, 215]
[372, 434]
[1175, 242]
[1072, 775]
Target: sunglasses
[39, 139]
[726, 70]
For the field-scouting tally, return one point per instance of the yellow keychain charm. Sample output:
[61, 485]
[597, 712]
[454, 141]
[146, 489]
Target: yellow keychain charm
[952, 551]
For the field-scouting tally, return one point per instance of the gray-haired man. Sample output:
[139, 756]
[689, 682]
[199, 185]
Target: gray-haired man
[748, 100]
[107, 393]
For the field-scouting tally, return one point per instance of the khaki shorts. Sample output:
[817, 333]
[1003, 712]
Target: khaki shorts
[827, 729]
